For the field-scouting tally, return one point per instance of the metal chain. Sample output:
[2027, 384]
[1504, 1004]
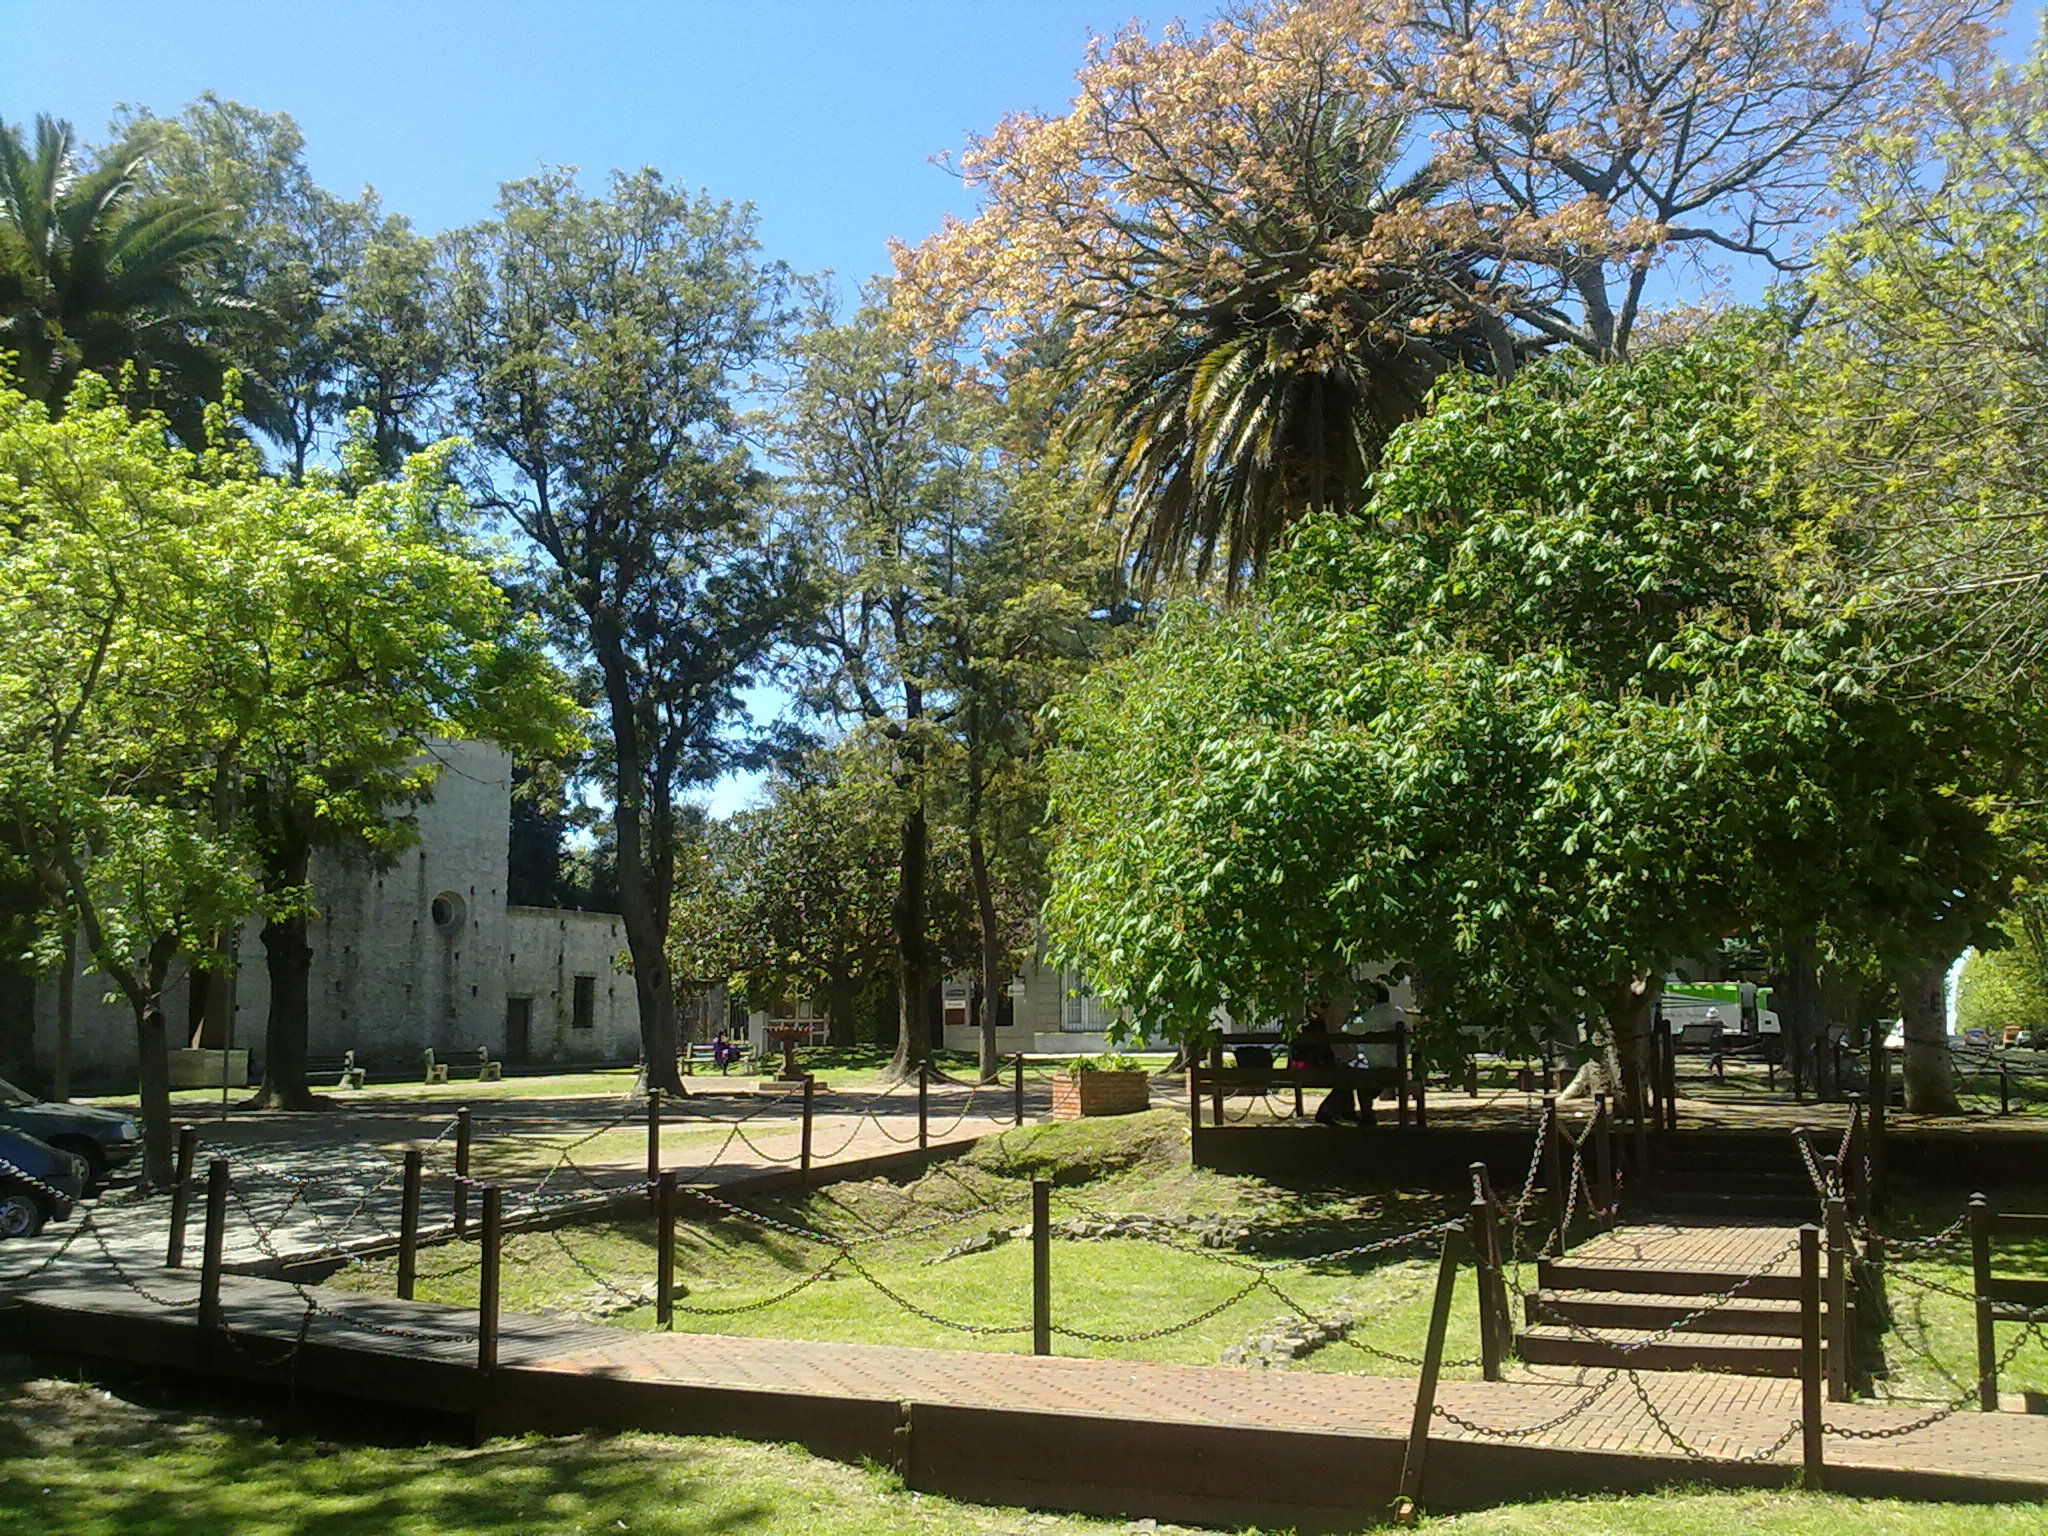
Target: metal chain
[1523, 1432]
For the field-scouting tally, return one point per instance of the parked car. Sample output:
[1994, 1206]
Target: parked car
[104, 1138]
[38, 1184]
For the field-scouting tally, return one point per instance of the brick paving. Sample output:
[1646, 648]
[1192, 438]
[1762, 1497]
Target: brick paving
[321, 1183]
[1722, 1418]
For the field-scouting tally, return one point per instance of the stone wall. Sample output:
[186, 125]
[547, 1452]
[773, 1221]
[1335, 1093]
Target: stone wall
[546, 950]
[414, 953]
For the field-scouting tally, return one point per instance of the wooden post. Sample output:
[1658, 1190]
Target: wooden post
[213, 1245]
[1400, 1072]
[804, 1146]
[1432, 1368]
[665, 1250]
[1477, 1216]
[1216, 1065]
[1557, 1197]
[1549, 1067]
[653, 1140]
[181, 1196]
[1837, 1319]
[1980, 1287]
[1017, 1092]
[1670, 1075]
[2004, 1086]
[1640, 1141]
[1853, 1177]
[1422, 1099]
[487, 1280]
[1880, 1096]
[1493, 1315]
[462, 1133]
[1471, 1077]
[1603, 1160]
[409, 1222]
[1194, 1109]
[924, 1106]
[1041, 1266]
[1810, 1374]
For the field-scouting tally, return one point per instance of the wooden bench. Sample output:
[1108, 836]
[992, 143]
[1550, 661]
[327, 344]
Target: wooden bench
[1368, 1082]
[2001, 1298]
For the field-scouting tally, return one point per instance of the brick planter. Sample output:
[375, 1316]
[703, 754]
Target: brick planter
[1075, 1094]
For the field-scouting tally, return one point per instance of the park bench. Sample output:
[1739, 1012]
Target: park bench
[700, 1053]
[1367, 1080]
[2002, 1298]
[346, 1073]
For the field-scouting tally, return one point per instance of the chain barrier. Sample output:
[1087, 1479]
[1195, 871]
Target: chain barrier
[1523, 1432]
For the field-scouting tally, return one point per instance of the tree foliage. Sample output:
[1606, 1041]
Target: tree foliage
[1538, 720]
[1258, 267]
[100, 276]
[1920, 402]
[601, 342]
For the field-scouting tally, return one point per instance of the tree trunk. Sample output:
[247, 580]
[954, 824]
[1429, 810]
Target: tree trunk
[1632, 1019]
[288, 960]
[67, 1016]
[1801, 1020]
[153, 1069]
[645, 841]
[1929, 1076]
[839, 1029]
[991, 977]
[907, 933]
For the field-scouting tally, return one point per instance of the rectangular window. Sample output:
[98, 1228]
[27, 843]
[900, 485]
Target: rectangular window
[584, 1013]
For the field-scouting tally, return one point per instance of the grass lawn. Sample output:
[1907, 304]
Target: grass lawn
[1930, 1347]
[1133, 1165]
[133, 1457]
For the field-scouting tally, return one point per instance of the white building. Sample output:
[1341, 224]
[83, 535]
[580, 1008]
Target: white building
[423, 953]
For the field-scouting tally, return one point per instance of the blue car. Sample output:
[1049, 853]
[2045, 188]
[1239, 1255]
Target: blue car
[105, 1138]
[38, 1184]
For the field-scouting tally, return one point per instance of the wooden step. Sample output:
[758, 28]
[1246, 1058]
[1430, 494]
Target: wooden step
[1742, 1315]
[1698, 1204]
[1649, 1279]
[1546, 1345]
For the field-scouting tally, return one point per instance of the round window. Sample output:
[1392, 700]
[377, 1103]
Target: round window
[447, 911]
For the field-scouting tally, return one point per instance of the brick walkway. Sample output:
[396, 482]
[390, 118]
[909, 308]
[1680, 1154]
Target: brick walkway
[332, 1183]
[1723, 1418]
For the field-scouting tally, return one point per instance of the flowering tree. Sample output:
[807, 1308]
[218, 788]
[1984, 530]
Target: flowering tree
[1376, 193]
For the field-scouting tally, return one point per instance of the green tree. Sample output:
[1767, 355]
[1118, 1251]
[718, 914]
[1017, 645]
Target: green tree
[334, 294]
[793, 897]
[1539, 720]
[601, 344]
[1924, 382]
[106, 772]
[98, 276]
[352, 629]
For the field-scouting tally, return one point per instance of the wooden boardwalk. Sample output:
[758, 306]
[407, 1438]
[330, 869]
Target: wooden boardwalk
[1320, 1451]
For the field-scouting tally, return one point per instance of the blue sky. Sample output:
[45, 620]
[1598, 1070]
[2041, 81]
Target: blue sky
[825, 114]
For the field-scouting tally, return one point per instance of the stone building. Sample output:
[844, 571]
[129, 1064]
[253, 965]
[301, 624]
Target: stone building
[421, 953]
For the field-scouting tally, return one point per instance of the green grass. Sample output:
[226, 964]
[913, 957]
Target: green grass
[127, 1457]
[1930, 1345]
[731, 1270]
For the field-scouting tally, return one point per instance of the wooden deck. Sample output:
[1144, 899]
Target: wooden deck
[1319, 1451]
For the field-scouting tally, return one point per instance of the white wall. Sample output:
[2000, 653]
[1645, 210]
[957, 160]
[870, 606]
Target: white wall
[389, 980]
[546, 950]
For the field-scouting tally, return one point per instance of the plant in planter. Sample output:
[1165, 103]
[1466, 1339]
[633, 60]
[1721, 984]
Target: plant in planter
[1100, 1085]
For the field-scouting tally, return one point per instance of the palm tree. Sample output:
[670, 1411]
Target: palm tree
[1258, 397]
[98, 276]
